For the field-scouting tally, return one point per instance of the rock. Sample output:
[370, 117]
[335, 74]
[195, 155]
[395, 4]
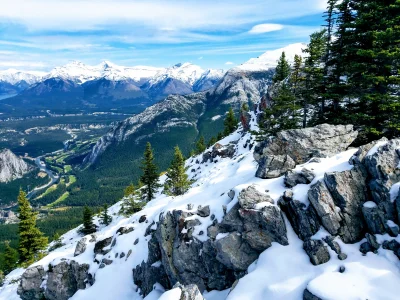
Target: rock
[149, 229]
[234, 253]
[146, 276]
[231, 194]
[342, 256]
[124, 230]
[92, 238]
[189, 292]
[203, 211]
[66, 279]
[342, 269]
[321, 199]
[366, 247]
[136, 241]
[375, 219]
[100, 245]
[80, 247]
[102, 265]
[307, 295]
[245, 118]
[293, 178]
[129, 254]
[362, 151]
[371, 239]
[190, 206]
[219, 150]
[273, 166]
[250, 197]
[107, 261]
[142, 219]
[304, 220]
[303, 144]
[392, 245]
[330, 240]
[114, 242]
[349, 192]
[317, 251]
[31, 281]
[381, 196]
[212, 232]
[392, 229]
[232, 220]
[122, 255]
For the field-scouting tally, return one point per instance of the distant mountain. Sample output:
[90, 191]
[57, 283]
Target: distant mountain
[208, 79]
[13, 81]
[11, 166]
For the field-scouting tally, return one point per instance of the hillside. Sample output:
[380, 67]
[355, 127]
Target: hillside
[310, 230]
[11, 166]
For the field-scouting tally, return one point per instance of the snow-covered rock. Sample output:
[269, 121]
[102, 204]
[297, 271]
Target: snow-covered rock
[14, 76]
[12, 166]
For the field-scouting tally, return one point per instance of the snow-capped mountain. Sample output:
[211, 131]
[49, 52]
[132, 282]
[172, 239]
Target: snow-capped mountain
[14, 76]
[186, 72]
[270, 58]
[11, 166]
[208, 80]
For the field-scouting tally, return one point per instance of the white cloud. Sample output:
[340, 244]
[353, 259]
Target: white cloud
[229, 63]
[263, 28]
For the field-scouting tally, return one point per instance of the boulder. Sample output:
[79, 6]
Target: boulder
[293, 178]
[30, 287]
[203, 211]
[100, 245]
[124, 230]
[304, 220]
[189, 292]
[366, 247]
[362, 151]
[371, 239]
[250, 197]
[302, 144]
[80, 247]
[219, 150]
[147, 275]
[273, 166]
[392, 245]
[65, 279]
[317, 251]
[374, 218]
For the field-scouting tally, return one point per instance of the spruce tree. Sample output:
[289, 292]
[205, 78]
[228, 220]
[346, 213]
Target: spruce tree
[150, 175]
[212, 141]
[31, 240]
[105, 217]
[230, 123]
[282, 69]
[131, 203]
[130, 189]
[177, 182]
[88, 226]
[200, 145]
[10, 258]
[296, 77]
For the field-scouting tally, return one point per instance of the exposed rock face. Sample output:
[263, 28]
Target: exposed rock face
[189, 292]
[219, 150]
[100, 245]
[216, 263]
[375, 219]
[304, 177]
[12, 166]
[249, 197]
[80, 247]
[317, 251]
[65, 279]
[302, 144]
[30, 285]
[273, 166]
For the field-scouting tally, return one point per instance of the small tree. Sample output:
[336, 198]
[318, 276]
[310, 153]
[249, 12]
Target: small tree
[130, 189]
[177, 182]
[212, 141]
[131, 204]
[105, 217]
[150, 174]
[88, 226]
[57, 242]
[200, 145]
[282, 69]
[31, 240]
[10, 258]
[230, 123]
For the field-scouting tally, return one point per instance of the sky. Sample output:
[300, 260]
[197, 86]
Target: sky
[42, 34]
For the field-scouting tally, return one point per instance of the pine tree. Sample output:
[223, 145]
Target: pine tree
[105, 217]
[212, 141]
[31, 240]
[296, 78]
[10, 258]
[131, 203]
[130, 189]
[200, 145]
[230, 123]
[88, 226]
[282, 69]
[177, 182]
[150, 174]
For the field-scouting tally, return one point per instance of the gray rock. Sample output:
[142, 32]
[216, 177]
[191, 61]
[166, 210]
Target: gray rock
[293, 178]
[189, 292]
[321, 199]
[307, 295]
[203, 211]
[342, 256]
[234, 253]
[381, 196]
[100, 245]
[92, 238]
[107, 261]
[122, 255]
[30, 286]
[317, 251]
[231, 194]
[330, 240]
[129, 254]
[304, 220]
[273, 166]
[392, 245]
[366, 247]
[219, 150]
[80, 247]
[392, 229]
[212, 232]
[232, 220]
[142, 219]
[124, 230]
[136, 241]
[342, 269]
[303, 144]
[65, 279]
[250, 197]
[371, 239]
[362, 151]
[375, 219]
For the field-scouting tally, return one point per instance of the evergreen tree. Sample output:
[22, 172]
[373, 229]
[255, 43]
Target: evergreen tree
[105, 217]
[130, 189]
[150, 174]
[212, 141]
[131, 203]
[282, 69]
[88, 226]
[230, 123]
[296, 78]
[31, 239]
[220, 136]
[10, 258]
[200, 145]
[177, 182]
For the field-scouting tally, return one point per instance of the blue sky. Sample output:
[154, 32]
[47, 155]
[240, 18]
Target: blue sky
[41, 34]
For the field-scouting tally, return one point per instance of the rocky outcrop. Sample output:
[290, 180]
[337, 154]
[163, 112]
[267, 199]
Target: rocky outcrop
[219, 150]
[80, 247]
[250, 197]
[101, 246]
[303, 177]
[30, 287]
[273, 166]
[189, 292]
[317, 251]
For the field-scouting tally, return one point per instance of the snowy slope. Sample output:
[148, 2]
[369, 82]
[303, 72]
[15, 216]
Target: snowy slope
[269, 59]
[11, 166]
[14, 76]
[280, 272]
[186, 72]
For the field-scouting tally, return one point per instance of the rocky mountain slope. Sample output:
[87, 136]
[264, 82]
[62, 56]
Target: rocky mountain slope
[11, 166]
[298, 216]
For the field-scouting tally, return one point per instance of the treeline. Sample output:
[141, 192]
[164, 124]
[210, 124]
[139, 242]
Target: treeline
[349, 74]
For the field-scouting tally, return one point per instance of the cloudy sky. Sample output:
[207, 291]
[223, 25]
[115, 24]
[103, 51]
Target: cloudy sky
[40, 34]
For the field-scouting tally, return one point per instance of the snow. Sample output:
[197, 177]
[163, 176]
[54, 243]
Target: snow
[369, 204]
[375, 148]
[221, 236]
[281, 272]
[270, 58]
[215, 118]
[14, 76]
[187, 73]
